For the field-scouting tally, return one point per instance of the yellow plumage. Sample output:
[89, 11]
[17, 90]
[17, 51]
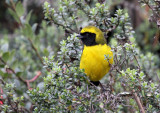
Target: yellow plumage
[94, 63]
[93, 57]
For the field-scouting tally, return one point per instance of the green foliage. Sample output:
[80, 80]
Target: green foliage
[19, 9]
[55, 51]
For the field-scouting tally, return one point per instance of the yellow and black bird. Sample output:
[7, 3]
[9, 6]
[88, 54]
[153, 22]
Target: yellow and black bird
[93, 57]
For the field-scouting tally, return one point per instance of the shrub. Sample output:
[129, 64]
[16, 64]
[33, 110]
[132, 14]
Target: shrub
[54, 53]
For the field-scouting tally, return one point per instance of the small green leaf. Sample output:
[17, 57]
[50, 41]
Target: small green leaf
[12, 53]
[143, 93]
[5, 56]
[119, 12]
[28, 17]
[19, 73]
[46, 4]
[27, 31]
[1, 73]
[61, 9]
[6, 75]
[15, 16]
[52, 11]
[98, 4]
[2, 65]
[152, 85]
[19, 9]
[150, 106]
[46, 52]
[128, 70]
[141, 74]
[22, 104]
[144, 84]
[132, 39]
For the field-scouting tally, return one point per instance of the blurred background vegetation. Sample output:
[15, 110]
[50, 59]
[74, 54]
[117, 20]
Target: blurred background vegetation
[39, 55]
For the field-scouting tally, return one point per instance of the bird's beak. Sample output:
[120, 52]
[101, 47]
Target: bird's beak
[80, 36]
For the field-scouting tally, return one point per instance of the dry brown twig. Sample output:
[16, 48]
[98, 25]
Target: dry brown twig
[9, 70]
[138, 101]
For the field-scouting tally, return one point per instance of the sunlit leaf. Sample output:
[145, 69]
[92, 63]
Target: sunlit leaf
[19, 9]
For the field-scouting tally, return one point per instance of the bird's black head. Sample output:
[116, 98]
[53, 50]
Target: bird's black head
[88, 39]
[91, 36]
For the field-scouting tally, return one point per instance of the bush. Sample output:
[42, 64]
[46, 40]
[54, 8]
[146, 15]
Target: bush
[40, 70]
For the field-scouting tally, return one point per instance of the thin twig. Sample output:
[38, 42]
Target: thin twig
[35, 49]
[147, 3]
[139, 67]
[26, 82]
[12, 70]
[137, 99]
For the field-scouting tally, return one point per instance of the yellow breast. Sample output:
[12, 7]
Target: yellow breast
[94, 63]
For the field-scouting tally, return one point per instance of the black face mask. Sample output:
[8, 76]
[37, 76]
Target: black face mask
[88, 39]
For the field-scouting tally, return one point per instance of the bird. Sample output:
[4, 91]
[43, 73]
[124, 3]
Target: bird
[93, 55]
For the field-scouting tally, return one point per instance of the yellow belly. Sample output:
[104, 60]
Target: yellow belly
[93, 61]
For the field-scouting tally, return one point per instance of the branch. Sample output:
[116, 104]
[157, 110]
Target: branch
[11, 71]
[33, 79]
[139, 67]
[35, 49]
[138, 101]
[147, 3]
